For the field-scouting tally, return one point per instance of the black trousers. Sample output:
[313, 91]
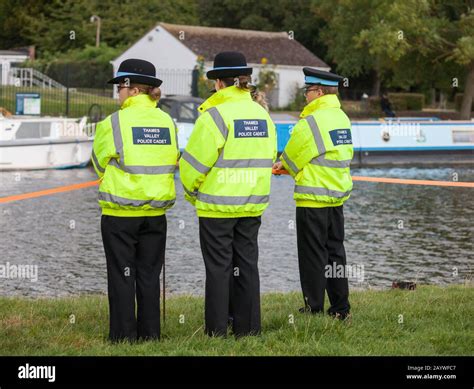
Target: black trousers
[135, 252]
[230, 250]
[320, 239]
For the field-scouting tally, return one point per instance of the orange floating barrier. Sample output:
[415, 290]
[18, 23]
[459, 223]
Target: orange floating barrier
[384, 180]
[402, 181]
[47, 192]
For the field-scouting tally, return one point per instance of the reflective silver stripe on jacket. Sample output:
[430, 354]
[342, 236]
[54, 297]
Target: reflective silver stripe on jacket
[136, 169]
[243, 163]
[132, 169]
[117, 136]
[289, 162]
[232, 200]
[219, 120]
[104, 196]
[192, 194]
[96, 162]
[233, 163]
[316, 134]
[201, 168]
[321, 160]
[321, 191]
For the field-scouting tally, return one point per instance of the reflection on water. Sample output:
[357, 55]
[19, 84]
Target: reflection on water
[395, 231]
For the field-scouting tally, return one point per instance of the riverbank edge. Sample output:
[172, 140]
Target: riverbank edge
[432, 320]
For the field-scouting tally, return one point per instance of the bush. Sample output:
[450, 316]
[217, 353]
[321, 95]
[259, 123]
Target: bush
[407, 101]
[458, 102]
[82, 74]
[89, 67]
[400, 102]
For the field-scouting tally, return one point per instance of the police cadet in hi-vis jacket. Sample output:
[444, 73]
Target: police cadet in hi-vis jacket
[135, 154]
[226, 174]
[318, 156]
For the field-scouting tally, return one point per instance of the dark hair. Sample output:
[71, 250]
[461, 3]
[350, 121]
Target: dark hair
[245, 83]
[241, 82]
[153, 91]
[328, 90]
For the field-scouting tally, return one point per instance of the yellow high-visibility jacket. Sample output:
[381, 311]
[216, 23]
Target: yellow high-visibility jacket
[319, 153]
[227, 165]
[135, 153]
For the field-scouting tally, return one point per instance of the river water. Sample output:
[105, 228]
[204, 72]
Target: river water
[405, 232]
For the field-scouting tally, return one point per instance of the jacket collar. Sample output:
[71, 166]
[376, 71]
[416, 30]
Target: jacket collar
[230, 93]
[139, 100]
[326, 101]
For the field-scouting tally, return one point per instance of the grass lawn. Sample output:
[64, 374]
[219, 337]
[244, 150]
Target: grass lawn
[436, 321]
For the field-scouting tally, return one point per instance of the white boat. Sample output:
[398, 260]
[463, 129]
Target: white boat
[30, 143]
[403, 141]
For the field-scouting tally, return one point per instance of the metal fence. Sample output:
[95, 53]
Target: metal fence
[175, 81]
[60, 100]
[96, 104]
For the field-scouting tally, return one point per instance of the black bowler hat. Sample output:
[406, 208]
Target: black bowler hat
[229, 64]
[136, 71]
[319, 77]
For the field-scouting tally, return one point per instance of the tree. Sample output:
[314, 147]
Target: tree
[57, 26]
[370, 35]
[406, 43]
[455, 44]
[14, 21]
[275, 15]
[443, 56]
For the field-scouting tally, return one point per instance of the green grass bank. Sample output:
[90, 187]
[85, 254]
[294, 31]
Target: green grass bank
[431, 320]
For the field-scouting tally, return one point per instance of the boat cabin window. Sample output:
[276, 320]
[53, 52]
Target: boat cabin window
[33, 130]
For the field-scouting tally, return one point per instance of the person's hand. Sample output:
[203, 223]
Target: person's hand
[277, 166]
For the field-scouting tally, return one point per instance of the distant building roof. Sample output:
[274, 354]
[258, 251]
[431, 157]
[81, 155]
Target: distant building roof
[276, 47]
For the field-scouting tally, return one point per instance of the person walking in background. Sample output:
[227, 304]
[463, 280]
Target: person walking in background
[386, 106]
[318, 157]
[195, 82]
[226, 174]
[135, 153]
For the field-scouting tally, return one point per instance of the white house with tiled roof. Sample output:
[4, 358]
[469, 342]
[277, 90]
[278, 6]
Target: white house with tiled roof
[174, 50]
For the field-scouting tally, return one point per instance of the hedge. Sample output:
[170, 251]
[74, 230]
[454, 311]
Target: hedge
[400, 102]
[76, 74]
